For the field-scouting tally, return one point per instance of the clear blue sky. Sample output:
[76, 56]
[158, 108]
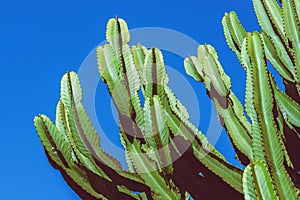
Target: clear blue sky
[40, 41]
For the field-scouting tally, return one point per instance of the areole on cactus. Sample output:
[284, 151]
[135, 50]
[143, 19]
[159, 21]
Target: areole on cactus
[165, 152]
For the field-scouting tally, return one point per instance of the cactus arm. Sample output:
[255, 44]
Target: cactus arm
[117, 35]
[289, 108]
[228, 106]
[269, 18]
[291, 21]
[291, 24]
[257, 143]
[54, 143]
[279, 58]
[191, 66]
[154, 73]
[249, 189]
[84, 142]
[139, 53]
[215, 78]
[234, 32]
[257, 183]
[108, 70]
[120, 59]
[89, 134]
[289, 131]
[161, 133]
[125, 85]
[263, 103]
[59, 151]
[118, 38]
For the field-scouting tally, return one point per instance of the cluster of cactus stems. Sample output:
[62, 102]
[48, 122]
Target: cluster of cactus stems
[167, 156]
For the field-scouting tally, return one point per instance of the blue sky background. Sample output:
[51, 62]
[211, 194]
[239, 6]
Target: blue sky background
[40, 41]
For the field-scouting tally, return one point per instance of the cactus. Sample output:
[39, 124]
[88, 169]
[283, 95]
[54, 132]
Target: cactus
[167, 156]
